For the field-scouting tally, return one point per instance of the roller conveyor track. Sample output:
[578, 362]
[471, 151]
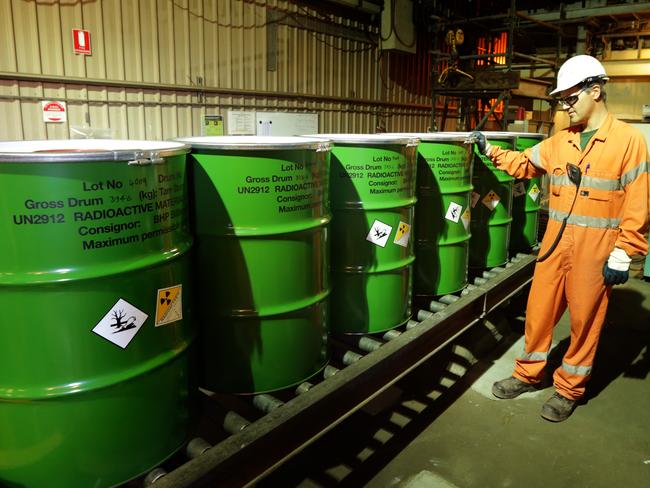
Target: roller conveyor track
[261, 432]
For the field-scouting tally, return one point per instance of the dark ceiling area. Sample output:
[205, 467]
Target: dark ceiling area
[538, 28]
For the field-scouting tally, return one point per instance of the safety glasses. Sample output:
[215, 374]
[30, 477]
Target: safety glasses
[571, 100]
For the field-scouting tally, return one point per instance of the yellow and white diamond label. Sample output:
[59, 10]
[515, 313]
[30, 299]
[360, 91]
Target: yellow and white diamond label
[519, 189]
[465, 218]
[454, 212]
[491, 200]
[534, 192]
[379, 233]
[169, 305]
[403, 234]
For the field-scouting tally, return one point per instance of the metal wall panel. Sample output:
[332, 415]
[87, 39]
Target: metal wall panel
[157, 66]
[7, 42]
[626, 97]
[10, 111]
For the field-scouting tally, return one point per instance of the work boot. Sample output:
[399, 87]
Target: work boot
[558, 408]
[511, 388]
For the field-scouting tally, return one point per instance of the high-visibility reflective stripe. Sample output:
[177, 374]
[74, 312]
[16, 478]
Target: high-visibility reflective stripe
[577, 370]
[582, 221]
[536, 156]
[634, 173]
[560, 180]
[587, 182]
[600, 183]
[534, 356]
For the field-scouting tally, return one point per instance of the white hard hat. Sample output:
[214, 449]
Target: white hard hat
[577, 69]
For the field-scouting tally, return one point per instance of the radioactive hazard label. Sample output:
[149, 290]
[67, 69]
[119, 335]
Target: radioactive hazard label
[169, 305]
[465, 218]
[453, 212]
[120, 325]
[491, 200]
[519, 189]
[402, 235]
[534, 192]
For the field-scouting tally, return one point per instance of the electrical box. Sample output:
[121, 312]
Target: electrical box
[397, 29]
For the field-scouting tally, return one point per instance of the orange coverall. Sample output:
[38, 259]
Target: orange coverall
[611, 210]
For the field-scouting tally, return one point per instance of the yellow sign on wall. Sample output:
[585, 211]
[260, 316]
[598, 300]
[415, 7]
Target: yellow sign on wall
[212, 125]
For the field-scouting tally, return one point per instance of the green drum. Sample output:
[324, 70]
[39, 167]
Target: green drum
[372, 185]
[96, 332]
[491, 203]
[261, 220]
[442, 212]
[525, 202]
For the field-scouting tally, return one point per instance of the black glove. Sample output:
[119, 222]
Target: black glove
[613, 276]
[481, 142]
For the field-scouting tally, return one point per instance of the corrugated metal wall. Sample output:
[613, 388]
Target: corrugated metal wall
[158, 65]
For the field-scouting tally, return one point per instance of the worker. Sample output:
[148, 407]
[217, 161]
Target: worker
[598, 207]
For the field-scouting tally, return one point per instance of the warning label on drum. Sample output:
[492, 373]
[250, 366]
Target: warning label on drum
[534, 192]
[169, 305]
[519, 189]
[453, 212]
[465, 218]
[491, 200]
[402, 235]
[379, 233]
[120, 325]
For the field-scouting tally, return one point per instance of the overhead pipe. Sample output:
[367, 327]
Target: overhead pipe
[230, 92]
[522, 15]
[152, 103]
[535, 58]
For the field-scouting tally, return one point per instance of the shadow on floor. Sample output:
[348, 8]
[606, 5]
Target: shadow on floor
[353, 453]
[624, 346]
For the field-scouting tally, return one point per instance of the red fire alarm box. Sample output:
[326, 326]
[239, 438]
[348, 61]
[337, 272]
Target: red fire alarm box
[81, 40]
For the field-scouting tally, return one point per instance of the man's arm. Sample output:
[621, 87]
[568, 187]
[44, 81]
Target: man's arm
[635, 181]
[633, 228]
[526, 164]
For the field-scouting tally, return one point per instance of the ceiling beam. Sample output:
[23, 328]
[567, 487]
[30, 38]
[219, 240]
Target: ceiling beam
[582, 13]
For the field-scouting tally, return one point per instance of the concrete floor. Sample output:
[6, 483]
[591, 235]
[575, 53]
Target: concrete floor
[480, 441]
[444, 429]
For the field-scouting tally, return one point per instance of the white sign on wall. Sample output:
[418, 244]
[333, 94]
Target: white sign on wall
[54, 111]
[240, 123]
[286, 123]
[244, 123]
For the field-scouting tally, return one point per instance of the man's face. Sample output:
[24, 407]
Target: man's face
[579, 102]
